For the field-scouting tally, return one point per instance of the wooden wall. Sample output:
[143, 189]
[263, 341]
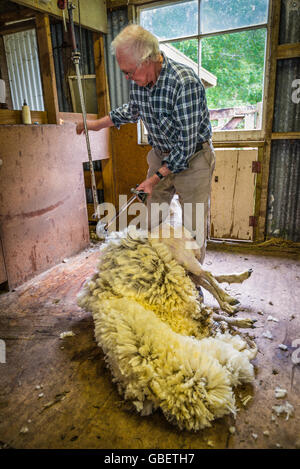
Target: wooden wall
[43, 212]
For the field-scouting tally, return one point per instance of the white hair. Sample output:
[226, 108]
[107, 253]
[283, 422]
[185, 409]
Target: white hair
[138, 43]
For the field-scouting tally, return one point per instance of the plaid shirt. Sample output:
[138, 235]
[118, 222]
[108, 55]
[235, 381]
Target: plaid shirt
[174, 112]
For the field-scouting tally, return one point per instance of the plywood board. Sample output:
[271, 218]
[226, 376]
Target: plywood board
[233, 194]
[92, 12]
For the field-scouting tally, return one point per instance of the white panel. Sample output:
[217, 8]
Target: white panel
[23, 69]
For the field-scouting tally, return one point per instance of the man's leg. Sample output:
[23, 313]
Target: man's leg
[194, 186]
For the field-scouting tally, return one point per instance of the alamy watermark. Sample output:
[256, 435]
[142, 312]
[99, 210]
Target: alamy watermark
[296, 92]
[2, 351]
[147, 220]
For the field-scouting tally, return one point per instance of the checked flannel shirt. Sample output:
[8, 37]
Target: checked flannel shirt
[174, 112]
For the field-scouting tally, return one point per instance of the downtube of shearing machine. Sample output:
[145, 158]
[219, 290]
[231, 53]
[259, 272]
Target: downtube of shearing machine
[76, 60]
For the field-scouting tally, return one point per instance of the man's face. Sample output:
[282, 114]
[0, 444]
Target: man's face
[140, 74]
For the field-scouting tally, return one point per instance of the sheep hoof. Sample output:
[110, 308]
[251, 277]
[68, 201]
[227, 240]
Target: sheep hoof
[234, 301]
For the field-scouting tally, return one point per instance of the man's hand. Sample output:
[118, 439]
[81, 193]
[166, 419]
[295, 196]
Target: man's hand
[79, 128]
[148, 184]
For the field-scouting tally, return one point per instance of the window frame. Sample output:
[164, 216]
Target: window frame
[225, 135]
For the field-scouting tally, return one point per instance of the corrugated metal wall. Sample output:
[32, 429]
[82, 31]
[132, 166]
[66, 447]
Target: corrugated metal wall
[287, 109]
[118, 85]
[23, 69]
[63, 62]
[283, 216]
[284, 195]
[289, 22]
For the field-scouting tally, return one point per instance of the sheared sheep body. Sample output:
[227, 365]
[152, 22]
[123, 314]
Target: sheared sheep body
[156, 339]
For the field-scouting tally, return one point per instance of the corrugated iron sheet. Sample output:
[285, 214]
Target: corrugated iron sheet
[283, 216]
[289, 22]
[287, 107]
[24, 70]
[118, 85]
[63, 63]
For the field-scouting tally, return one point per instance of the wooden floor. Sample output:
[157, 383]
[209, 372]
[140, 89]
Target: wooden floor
[57, 393]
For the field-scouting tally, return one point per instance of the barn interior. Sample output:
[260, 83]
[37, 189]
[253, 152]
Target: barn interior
[56, 392]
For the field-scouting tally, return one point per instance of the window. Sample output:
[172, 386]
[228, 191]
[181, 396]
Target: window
[225, 43]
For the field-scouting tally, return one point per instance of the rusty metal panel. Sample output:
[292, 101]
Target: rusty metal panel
[43, 212]
[289, 22]
[287, 108]
[283, 215]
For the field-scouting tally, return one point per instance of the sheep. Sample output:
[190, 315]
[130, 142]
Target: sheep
[162, 345]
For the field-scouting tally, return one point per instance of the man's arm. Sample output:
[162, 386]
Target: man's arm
[97, 124]
[148, 184]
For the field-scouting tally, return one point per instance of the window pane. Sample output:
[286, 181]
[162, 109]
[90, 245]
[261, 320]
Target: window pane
[237, 60]
[220, 15]
[171, 21]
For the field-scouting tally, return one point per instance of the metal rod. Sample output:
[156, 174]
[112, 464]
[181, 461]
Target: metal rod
[76, 60]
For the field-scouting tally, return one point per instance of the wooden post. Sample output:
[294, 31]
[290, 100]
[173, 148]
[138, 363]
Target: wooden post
[268, 112]
[47, 67]
[103, 110]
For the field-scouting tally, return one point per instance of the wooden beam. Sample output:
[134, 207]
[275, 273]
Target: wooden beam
[269, 112]
[103, 110]
[4, 73]
[101, 76]
[18, 27]
[122, 3]
[285, 135]
[239, 144]
[288, 51]
[15, 117]
[16, 15]
[47, 67]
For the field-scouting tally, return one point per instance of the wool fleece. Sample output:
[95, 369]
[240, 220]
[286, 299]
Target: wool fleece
[158, 340]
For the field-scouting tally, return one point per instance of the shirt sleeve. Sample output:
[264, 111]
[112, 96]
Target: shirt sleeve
[189, 111]
[127, 113]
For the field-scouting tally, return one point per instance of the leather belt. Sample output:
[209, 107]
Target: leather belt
[199, 146]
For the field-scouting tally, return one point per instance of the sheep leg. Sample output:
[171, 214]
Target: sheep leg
[234, 278]
[222, 296]
[243, 323]
[215, 290]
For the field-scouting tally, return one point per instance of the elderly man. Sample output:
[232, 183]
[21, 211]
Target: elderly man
[170, 100]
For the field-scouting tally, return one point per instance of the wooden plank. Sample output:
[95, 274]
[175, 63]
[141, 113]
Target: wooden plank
[268, 114]
[101, 76]
[15, 15]
[4, 73]
[288, 51]
[15, 28]
[75, 116]
[285, 135]
[92, 12]
[257, 234]
[15, 117]
[238, 144]
[121, 3]
[238, 135]
[47, 68]
[232, 199]
[109, 186]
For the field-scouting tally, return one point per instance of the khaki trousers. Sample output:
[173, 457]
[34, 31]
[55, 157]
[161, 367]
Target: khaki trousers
[193, 187]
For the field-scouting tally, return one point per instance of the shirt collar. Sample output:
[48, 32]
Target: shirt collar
[162, 72]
